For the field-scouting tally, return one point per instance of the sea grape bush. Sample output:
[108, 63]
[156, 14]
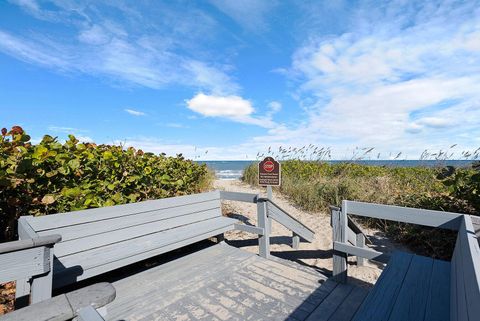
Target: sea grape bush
[51, 177]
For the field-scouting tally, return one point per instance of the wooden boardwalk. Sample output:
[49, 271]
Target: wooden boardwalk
[224, 283]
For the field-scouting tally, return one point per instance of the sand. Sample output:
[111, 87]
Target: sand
[317, 254]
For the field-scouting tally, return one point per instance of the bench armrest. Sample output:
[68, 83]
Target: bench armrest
[47, 240]
[66, 306]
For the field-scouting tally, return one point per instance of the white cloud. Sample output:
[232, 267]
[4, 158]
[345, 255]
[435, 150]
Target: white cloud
[135, 48]
[234, 108]
[397, 80]
[135, 112]
[250, 14]
[226, 106]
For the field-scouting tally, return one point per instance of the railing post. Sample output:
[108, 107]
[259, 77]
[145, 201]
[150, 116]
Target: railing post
[262, 221]
[360, 242]
[339, 224]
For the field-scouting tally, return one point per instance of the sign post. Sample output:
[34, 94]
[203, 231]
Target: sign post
[269, 175]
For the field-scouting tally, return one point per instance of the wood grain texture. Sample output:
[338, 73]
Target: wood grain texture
[339, 235]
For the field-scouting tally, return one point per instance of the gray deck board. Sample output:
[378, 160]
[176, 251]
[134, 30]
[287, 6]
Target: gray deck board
[224, 283]
[412, 298]
[438, 306]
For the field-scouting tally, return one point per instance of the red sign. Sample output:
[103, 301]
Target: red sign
[268, 166]
[269, 172]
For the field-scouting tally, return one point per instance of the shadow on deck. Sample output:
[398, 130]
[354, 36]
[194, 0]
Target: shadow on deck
[221, 282]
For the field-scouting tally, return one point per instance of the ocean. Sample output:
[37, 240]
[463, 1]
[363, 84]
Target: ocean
[233, 170]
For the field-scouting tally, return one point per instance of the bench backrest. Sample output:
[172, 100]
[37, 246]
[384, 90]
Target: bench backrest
[96, 241]
[465, 274]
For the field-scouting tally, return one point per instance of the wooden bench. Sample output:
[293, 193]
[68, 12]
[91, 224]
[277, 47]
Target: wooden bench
[414, 287]
[96, 241]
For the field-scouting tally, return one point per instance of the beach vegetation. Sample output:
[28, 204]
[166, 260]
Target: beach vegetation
[55, 177]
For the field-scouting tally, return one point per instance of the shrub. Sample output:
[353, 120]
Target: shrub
[52, 177]
[314, 185]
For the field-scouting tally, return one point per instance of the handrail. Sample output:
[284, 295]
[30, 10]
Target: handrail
[341, 237]
[291, 223]
[266, 211]
[29, 243]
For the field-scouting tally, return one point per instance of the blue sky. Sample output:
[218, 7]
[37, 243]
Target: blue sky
[227, 79]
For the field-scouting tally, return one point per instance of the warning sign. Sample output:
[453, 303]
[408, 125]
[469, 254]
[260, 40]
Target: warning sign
[269, 172]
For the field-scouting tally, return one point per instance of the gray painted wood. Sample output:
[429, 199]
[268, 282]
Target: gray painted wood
[197, 287]
[29, 243]
[101, 260]
[54, 221]
[282, 217]
[41, 287]
[249, 228]
[430, 218]
[65, 306]
[327, 308]
[339, 235]
[23, 264]
[89, 314]
[360, 242]
[262, 221]
[438, 302]
[347, 309]
[83, 230]
[381, 299]
[412, 299]
[465, 274]
[22, 286]
[129, 233]
[361, 252]
[240, 197]
[25, 231]
[295, 241]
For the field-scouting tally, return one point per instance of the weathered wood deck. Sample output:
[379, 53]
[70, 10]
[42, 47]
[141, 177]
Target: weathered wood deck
[222, 282]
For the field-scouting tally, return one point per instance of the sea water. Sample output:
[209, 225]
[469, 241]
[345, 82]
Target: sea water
[233, 170]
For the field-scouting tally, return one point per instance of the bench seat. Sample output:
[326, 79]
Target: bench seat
[96, 241]
[411, 287]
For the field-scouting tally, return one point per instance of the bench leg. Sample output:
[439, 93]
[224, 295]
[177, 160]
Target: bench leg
[360, 242]
[22, 293]
[220, 238]
[295, 241]
[42, 284]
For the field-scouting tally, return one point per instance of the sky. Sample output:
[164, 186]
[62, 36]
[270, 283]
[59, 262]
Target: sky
[226, 79]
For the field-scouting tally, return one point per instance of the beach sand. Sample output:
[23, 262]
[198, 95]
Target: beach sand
[317, 254]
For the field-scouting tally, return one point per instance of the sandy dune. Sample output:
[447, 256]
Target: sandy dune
[317, 254]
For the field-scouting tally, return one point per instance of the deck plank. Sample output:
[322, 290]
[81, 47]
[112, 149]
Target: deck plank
[350, 305]
[412, 298]
[379, 302]
[326, 309]
[224, 283]
[438, 303]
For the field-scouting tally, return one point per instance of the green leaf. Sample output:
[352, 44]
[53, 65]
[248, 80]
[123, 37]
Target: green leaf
[107, 155]
[147, 170]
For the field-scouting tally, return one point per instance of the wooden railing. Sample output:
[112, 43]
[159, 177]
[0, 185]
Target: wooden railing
[268, 210]
[465, 264]
[437, 219]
